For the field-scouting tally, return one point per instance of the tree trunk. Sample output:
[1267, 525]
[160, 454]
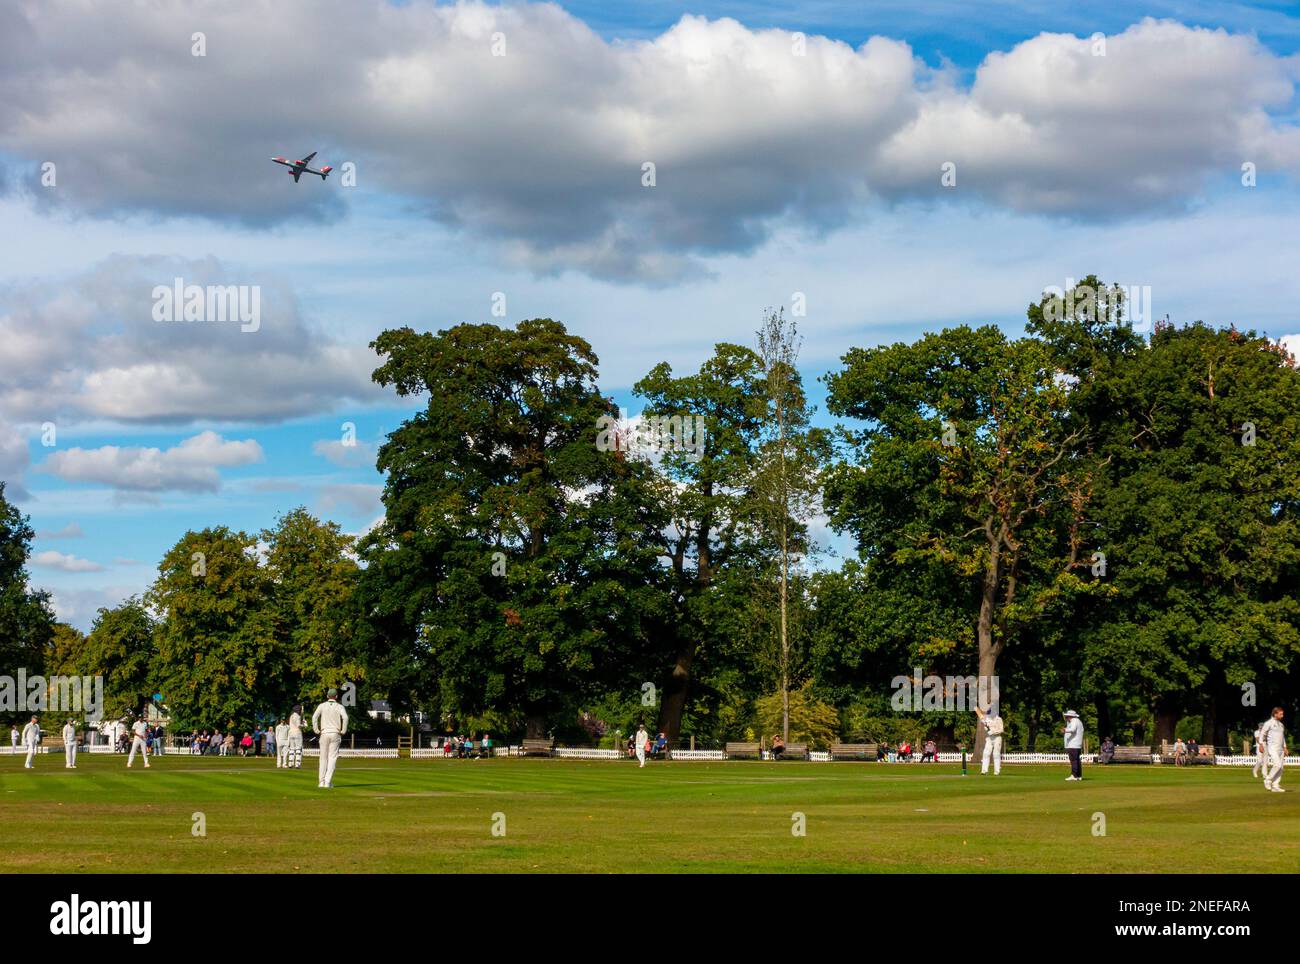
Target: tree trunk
[1103, 717]
[1167, 717]
[989, 648]
[673, 704]
[535, 726]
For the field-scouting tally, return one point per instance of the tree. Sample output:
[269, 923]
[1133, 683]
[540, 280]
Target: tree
[517, 546]
[218, 659]
[709, 542]
[313, 579]
[26, 620]
[965, 457]
[786, 481]
[121, 648]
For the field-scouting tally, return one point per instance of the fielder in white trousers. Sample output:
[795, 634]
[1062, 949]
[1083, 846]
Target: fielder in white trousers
[1274, 734]
[331, 721]
[70, 745]
[993, 728]
[31, 740]
[641, 737]
[137, 743]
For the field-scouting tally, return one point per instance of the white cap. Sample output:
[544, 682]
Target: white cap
[1069, 713]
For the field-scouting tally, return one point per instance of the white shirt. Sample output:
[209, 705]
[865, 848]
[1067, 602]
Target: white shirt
[69, 734]
[282, 733]
[330, 718]
[1074, 734]
[993, 725]
[295, 724]
[31, 734]
[641, 737]
[139, 727]
[1274, 736]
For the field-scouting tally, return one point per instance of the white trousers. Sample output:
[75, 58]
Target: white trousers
[70, 754]
[1259, 763]
[295, 753]
[992, 748]
[282, 754]
[31, 752]
[329, 757]
[1273, 770]
[640, 754]
[138, 744]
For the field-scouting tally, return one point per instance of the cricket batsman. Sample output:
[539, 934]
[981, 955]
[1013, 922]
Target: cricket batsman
[993, 727]
[331, 721]
[282, 744]
[31, 740]
[70, 745]
[138, 729]
[293, 750]
[1274, 734]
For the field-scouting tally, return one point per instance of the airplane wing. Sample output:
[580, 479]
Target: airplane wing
[297, 173]
[307, 160]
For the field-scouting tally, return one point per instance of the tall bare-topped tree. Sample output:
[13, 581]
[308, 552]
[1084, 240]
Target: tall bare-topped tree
[786, 482]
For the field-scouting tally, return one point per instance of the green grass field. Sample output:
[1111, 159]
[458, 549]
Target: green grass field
[426, 816]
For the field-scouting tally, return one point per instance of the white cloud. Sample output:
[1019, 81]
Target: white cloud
[64, 562]
[351, 456]
[70, 531]
[87, 348]
[355, 499]
[542, 149]
[190, 466]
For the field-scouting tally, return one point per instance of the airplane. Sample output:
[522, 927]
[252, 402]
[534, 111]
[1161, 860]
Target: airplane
[298, 168]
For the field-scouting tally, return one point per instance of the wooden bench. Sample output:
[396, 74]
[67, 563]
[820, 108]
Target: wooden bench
[736, 750]
[1132, 754]
[795, 751]
[854, 751]
[540, 747]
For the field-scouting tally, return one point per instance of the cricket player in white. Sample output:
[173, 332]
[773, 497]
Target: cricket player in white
[1274, 734]
[31, 740]
[993, 727]
[70, 745]
[641, 737]
[282, 744]
[1259, 751]
[294, 758]
[331, 721]
[1073, 733]
[139, 728]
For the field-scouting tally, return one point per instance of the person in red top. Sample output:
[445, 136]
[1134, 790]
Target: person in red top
[905, 751]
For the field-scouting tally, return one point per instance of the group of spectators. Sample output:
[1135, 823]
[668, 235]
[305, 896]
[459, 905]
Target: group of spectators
[655, 748]
[465, 748]
[1183, 751]
[259, 742]
[904, 752]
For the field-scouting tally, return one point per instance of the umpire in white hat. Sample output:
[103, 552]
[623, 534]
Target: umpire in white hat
[1074, 743]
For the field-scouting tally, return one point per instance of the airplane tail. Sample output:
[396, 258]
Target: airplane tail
[325, 172]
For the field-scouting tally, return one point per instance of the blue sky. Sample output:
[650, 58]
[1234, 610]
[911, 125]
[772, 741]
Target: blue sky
[521, 174]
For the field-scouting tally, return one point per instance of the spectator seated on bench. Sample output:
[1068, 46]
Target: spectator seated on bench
[931, 752]
[1107, 751]
[660, 746]
[778, 747]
